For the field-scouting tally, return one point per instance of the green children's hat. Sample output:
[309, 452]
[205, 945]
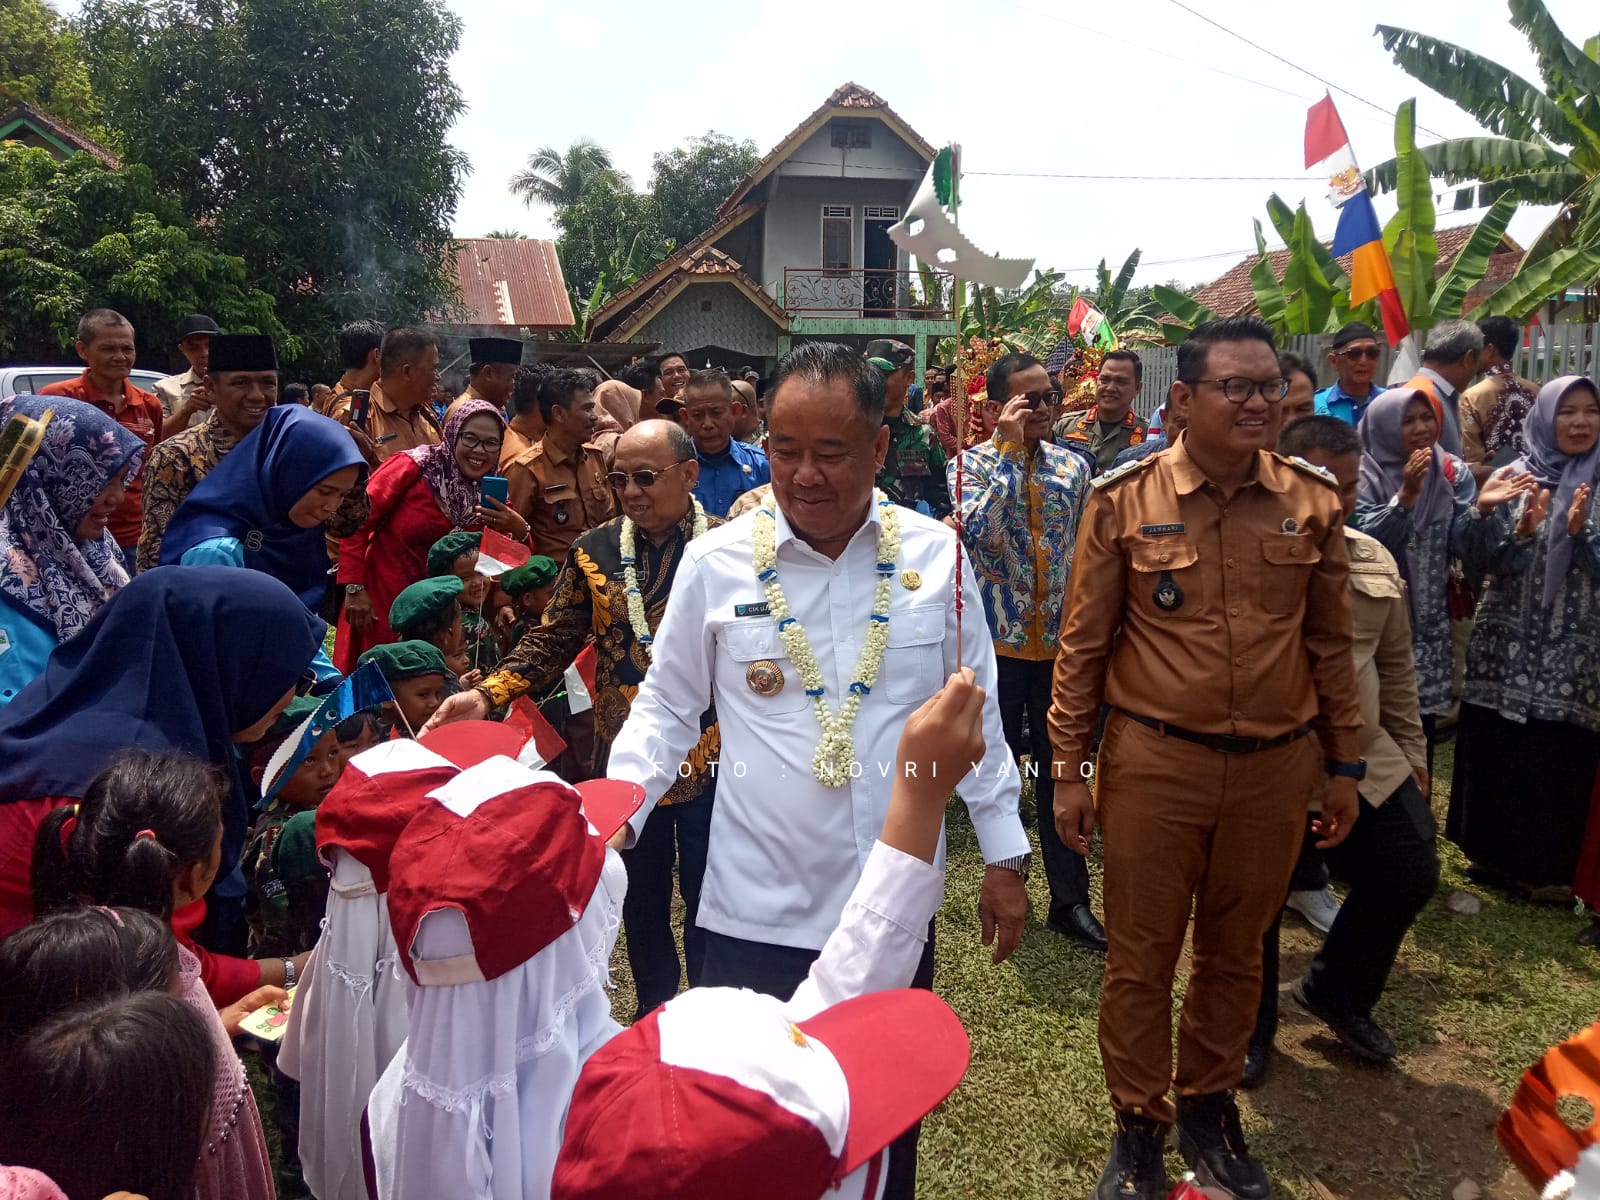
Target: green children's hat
[424, 602]
[534, 573]
[406, 660]
[289, 719]
[443, 554]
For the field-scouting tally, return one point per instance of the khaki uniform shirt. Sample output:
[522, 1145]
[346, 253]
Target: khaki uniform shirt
[513, 445]
[470, 394]
[1217, 614]
[173, 391]
[560, 495]
[392, 431]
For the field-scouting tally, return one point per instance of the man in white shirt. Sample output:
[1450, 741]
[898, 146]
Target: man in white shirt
[787, 848]
[184, 397]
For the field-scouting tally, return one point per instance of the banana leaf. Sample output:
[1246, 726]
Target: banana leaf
[1472, 263]
[1408, 237]
[1563, 64]
[1119, 288]
[1269, 292]
[1310, 295]
[1283, 218]
[1532, 286]
[1188, 311]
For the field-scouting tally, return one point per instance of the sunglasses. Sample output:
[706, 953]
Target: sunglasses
[1036, 399]
[645, 479]
[1370, 353]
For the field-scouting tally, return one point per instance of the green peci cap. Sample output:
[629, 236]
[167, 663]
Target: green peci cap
[442, 554]
[889, 355]
[406, 660]
[534, 573]
[423, 602]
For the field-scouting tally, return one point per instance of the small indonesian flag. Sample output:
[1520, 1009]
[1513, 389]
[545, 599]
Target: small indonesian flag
[580, 682]
[543, 744]
[498, 554]
[1090, 323]
[1328, 148]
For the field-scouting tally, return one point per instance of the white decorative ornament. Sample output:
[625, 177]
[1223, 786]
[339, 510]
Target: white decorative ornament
[928, 232]
[630, 577]
[836, 750]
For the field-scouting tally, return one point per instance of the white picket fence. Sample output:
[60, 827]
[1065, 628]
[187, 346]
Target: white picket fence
[1545, 354]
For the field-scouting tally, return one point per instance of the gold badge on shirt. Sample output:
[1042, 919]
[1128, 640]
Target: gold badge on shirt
[764, 677]
[910, 580]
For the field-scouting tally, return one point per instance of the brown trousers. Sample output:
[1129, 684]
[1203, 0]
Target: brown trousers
[1185, 828]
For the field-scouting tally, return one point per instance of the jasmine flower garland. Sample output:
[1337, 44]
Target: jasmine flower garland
[836, 751]
[630, 577]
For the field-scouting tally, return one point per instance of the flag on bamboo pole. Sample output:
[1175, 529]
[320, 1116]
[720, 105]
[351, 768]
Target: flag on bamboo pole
[1089, 323]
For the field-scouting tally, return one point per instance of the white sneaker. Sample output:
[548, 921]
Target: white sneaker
[1318, 907]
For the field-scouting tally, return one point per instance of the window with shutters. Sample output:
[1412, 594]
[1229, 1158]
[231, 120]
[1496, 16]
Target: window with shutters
[836, 236]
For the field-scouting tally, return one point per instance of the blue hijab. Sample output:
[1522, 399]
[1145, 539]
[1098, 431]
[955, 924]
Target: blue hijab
[174, 663]
[249, 493]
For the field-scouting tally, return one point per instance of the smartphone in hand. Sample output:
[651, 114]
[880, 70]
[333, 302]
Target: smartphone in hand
[494, 487]
[360, 406]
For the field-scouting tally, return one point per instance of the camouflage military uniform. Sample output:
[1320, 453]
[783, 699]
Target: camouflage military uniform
[913, 469]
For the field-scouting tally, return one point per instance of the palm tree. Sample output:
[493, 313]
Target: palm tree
[560, 179]
[1545, 147]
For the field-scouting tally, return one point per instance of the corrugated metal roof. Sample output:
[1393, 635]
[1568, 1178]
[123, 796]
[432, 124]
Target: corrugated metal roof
[512, 282]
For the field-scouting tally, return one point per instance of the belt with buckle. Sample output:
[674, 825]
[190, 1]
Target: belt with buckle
[1222, 743]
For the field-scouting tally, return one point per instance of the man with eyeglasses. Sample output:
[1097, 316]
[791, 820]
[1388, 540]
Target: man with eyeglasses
[1354, 357]
[1109, 426]
[728, 468]
[559, 487]
[1211, 614]
[654, 475]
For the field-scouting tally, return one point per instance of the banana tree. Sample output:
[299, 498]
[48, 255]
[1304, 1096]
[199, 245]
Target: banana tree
[1136, 322]
[1543, 148]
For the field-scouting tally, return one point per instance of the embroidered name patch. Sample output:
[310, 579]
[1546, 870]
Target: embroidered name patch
[753, 610]
[1160, 530]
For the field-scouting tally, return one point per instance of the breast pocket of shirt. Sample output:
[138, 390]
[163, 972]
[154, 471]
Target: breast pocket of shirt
[1286, 562]
[752, 665]
[1165, 580]
[913, 662]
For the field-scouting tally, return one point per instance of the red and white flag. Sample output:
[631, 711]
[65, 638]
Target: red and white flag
[498, 554]
[580, 682]
[543, 745]
[1328, 149]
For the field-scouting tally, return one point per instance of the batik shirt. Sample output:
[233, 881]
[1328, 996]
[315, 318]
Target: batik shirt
[177, 466]
[1019, 517]
[1493, 411]
[914, 468]
[590, 599]
[1528, 660]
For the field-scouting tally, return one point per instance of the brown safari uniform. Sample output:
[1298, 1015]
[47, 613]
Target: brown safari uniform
[1224, 622]
[559, 495]
[391, 430]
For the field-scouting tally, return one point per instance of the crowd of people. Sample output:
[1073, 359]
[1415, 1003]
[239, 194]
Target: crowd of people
[770, 576]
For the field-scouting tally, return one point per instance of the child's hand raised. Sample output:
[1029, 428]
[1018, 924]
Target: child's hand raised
[944, 737]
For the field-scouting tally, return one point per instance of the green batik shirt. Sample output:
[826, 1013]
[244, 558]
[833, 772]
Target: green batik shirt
[914, 467]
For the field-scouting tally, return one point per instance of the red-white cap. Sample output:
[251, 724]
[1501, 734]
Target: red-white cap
[512, 854]
[375, 798]
[719, 1095]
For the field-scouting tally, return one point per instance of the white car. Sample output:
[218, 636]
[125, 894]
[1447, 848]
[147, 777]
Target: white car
[26, 381]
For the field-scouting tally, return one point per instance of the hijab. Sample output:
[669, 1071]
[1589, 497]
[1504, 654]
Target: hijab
[458, 495]
[1562, 473]
[249, 493]
[1383, 459]
[43, 565]
[175, 663]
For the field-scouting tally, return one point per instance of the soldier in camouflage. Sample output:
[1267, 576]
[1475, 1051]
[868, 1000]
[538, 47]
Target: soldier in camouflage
[914, 468]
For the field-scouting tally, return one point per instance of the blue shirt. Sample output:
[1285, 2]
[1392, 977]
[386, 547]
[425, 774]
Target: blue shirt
[1333, 402]
[25, 645]
[727, 476]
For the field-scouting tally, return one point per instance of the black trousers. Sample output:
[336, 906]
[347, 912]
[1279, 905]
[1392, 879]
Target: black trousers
[673, 834]
[778, 971]
[1392, 865]
[1023, 687]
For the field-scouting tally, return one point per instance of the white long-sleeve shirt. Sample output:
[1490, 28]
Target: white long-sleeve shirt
[785, 850]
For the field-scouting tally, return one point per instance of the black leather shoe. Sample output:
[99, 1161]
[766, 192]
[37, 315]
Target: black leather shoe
[1080, 925]
[1135, 1170]
[1359, 1033]
[1212, 1143]
[1255, 1063]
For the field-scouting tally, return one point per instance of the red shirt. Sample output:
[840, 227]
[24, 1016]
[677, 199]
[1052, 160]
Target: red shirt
[141, 415]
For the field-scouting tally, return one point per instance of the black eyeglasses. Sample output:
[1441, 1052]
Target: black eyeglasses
[1035, 399]
[1370, 353]
[645, 479]
[473, 442]
[1238, 388]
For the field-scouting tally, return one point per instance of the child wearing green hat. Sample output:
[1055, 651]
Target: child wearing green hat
[528, 588]
[457, 554]
[430, 611]
[416, 674]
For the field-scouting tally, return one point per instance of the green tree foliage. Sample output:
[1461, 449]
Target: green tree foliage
[690, 183]
[1133, 313]
[41, 62]
[560, 178]
[1544, 146]
[307, 136]
[74, 235]
[604, 224]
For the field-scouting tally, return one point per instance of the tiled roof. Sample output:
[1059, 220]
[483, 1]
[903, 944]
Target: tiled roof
[512, 282]
[1231, 295]
[707, 264]
[850, 100]
[21, 112]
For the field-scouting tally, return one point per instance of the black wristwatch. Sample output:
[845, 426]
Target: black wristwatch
[1347, 770]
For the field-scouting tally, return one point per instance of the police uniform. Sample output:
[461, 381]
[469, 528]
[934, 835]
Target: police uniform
[560, 494]
[1218, 630]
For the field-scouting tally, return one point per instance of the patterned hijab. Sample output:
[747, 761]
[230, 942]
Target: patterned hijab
[46, 568]
[1383, 460]
[458, 495]
[1564, 474]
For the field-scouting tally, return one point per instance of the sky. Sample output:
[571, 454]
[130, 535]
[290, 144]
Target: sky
[1135, 88]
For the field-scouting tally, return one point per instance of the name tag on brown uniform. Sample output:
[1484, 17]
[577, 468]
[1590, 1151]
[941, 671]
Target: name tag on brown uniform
[1160, 530]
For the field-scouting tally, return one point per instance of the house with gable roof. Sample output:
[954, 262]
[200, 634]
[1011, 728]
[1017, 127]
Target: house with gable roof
[799, 252]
